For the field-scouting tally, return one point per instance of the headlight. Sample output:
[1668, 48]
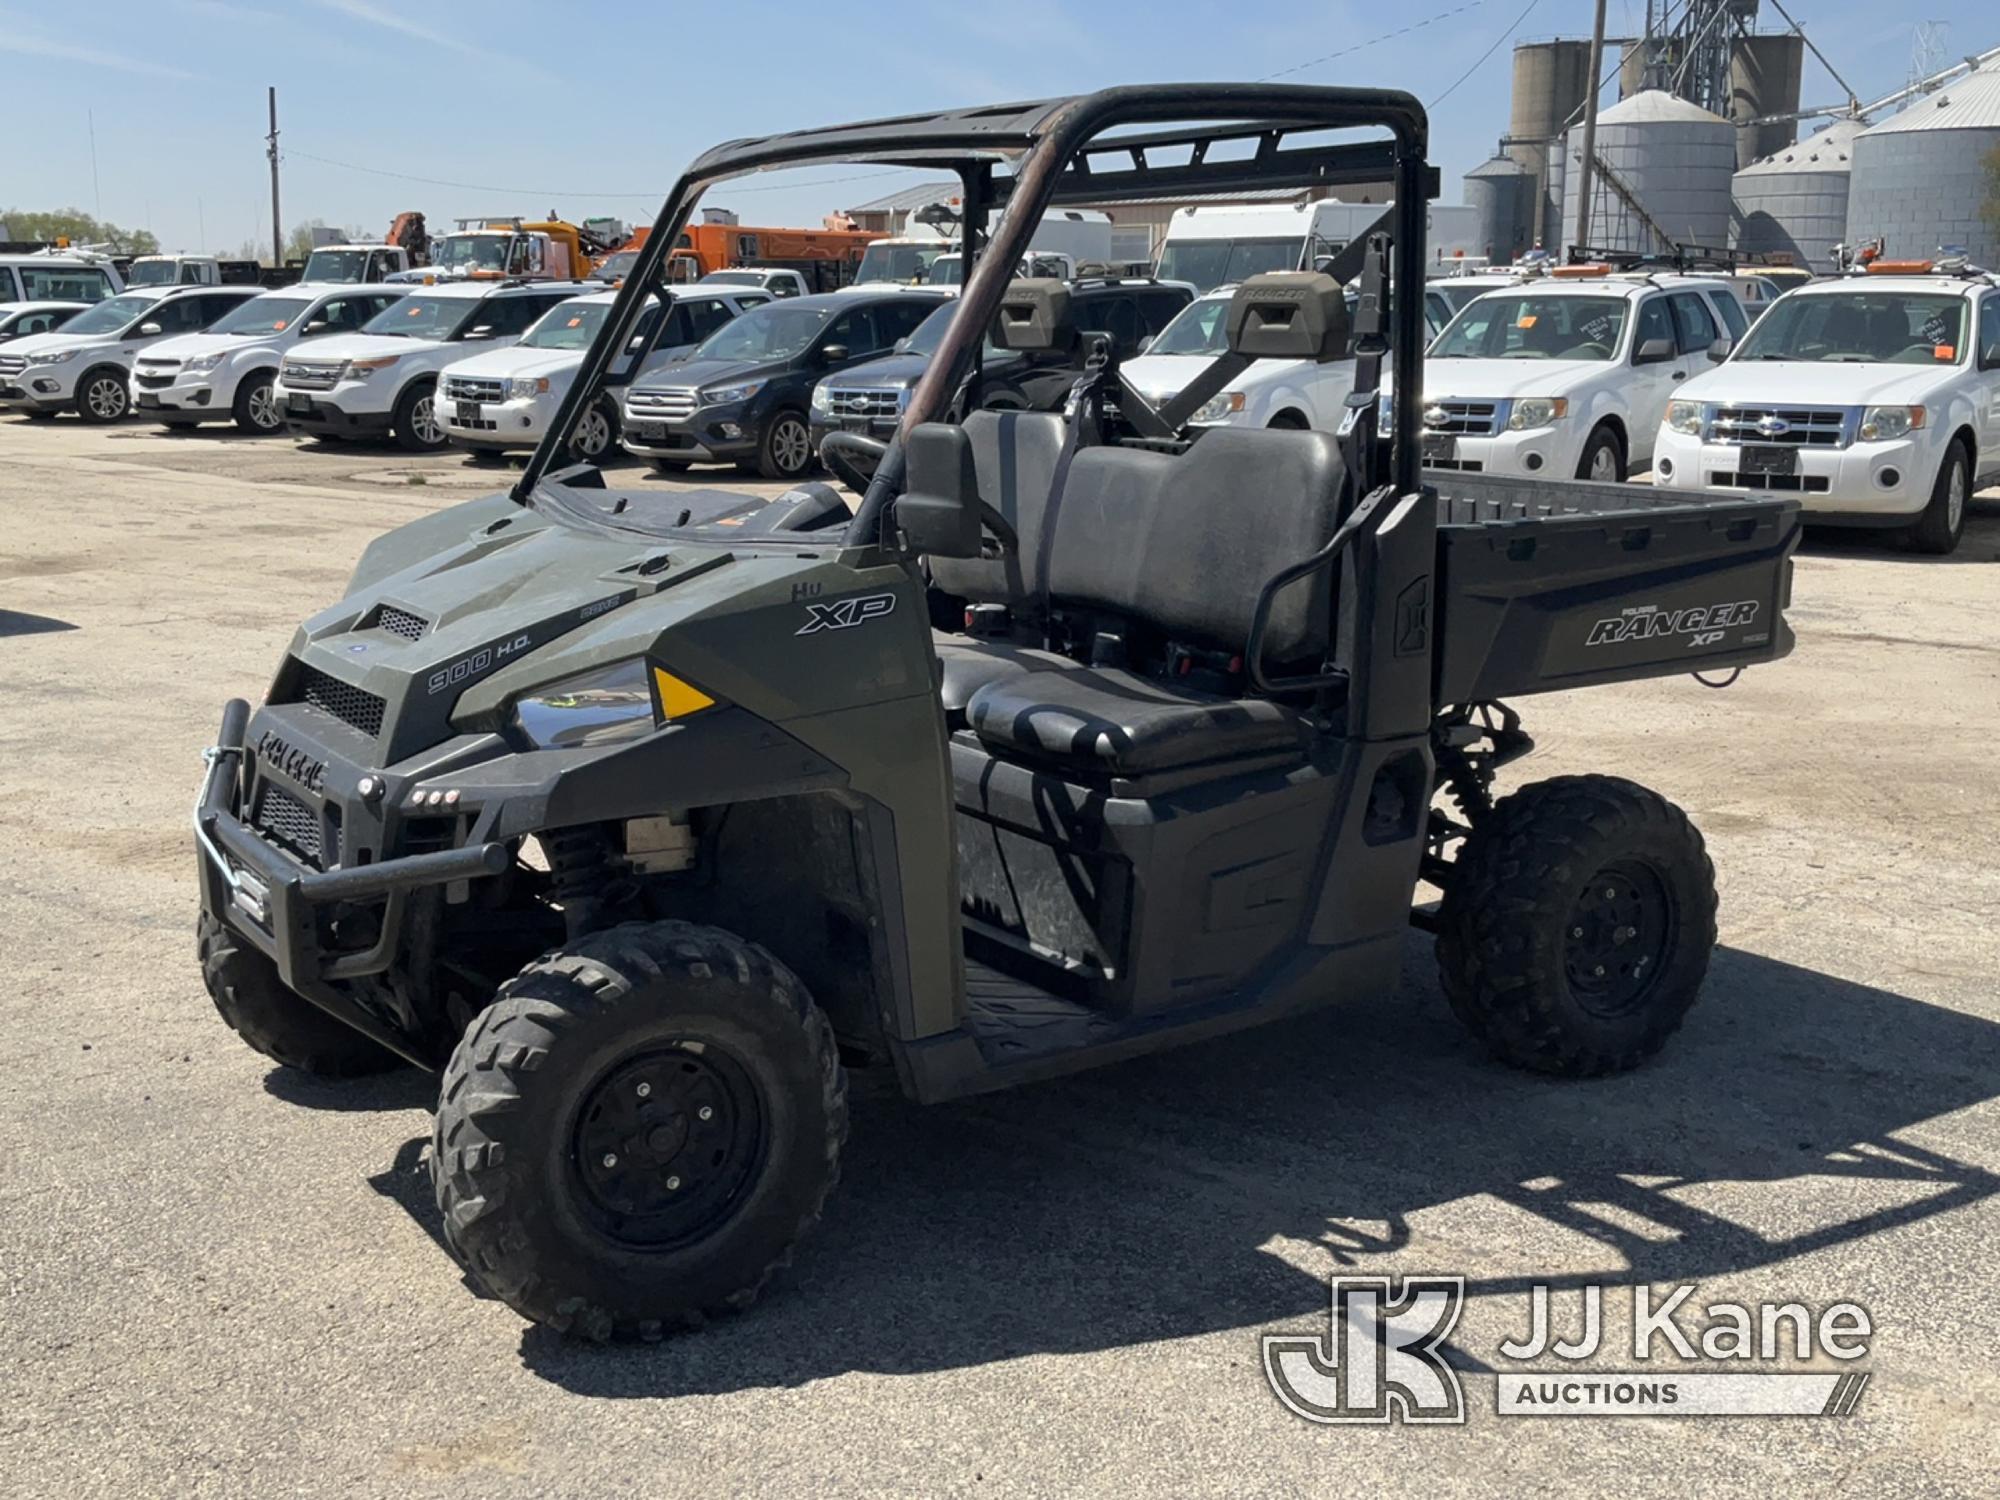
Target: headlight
[723, 395]
[52, 359]
[605, 706]
[203, 363]
[1685, 416]
[361, 369]
[822, 398]
[521, 390]
[1536, 411]
[1882, 423]
[1219, 408]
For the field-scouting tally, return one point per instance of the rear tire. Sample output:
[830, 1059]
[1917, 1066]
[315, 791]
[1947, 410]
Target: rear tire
[637, 1132]
[1603, 458]
[416, 423]
[1577, 928]
[1941, 525]
[285, 1027]
[104, 395]
[786, 449]
[255, 409]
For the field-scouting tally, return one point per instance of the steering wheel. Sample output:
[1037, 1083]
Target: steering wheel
[1590, 350]
[844, 452]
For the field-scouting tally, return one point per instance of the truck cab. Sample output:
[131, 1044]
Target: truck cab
[1568, 375]
[503, 249]
[54, 276]
[355, 263]
[1872, 398]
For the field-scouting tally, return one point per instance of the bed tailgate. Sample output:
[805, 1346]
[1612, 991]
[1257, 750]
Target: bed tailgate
[1549, 584]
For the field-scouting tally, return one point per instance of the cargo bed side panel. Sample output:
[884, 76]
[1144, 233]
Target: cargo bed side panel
[1548, 586]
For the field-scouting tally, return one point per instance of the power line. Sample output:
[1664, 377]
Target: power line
[1387, 36]
[486, 187]
[1484, 55]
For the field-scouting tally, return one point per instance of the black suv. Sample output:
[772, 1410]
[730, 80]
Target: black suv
[871, 400]
[742, 396]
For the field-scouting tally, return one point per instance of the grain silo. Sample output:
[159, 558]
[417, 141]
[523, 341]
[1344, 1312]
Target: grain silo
[1794, 203]
[1502, 191]
[1662, 175]
[1920, 178]
[1550, 81]
[1764, 72]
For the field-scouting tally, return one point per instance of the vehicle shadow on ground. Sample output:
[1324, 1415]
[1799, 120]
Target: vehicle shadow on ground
[14, 622]
[404, 1088]
[1980, 542]
[1140, 1202]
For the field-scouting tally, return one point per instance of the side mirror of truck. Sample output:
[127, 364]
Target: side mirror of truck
[833, 354]
[1654, 351]
[150, 330]
[315, 328]
[939, 510]
[1145, 343]
[1719, 350]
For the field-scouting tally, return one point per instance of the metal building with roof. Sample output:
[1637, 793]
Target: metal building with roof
[1793, 203]
[1662, 175]
[1921, 179]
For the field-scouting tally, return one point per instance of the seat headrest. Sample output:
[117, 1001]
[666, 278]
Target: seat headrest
[1288, 315]
[1035, 318]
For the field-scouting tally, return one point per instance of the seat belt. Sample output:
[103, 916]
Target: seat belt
[1357, 437]
[1086, 401]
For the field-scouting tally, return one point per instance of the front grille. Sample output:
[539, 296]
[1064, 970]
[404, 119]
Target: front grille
[355, 707]
[13, 364]
[873, 402]
[672, 406]
[285, 820]
[473, 388]
[300, 375]
[152, 382]
[401, 622]
[1463, 465]
[1803, 426]
[1797, 484]
[1465, 418]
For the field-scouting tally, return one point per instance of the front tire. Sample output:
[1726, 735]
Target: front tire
[638, 1131]
[285, 1027]
[596, 434]
[103, 395]
[416, 423]
[1577, 928]
[1603, 458]
[255, 410]
[1941, 525]
[786, 449]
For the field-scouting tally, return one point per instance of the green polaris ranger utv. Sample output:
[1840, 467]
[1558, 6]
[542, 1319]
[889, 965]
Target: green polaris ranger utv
[643, 815]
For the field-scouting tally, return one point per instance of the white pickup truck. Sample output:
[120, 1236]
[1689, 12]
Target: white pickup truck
[1874, 399]
[504, 398]
[55, 276]
[382, 381]
[1569, 375]
[227, 372]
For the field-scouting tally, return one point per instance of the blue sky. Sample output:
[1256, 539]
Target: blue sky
[607, 101]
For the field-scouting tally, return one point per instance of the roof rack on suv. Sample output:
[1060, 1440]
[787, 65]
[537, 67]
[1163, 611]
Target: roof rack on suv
[1677, 257]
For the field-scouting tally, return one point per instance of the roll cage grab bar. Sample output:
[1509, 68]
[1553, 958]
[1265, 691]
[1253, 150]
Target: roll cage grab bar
[1248, 144]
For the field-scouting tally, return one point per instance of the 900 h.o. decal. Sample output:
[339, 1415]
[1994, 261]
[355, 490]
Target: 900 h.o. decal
[1703, 625]
[857, 609]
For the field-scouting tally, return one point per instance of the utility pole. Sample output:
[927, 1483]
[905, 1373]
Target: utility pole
[271, 150]
[1589, 129]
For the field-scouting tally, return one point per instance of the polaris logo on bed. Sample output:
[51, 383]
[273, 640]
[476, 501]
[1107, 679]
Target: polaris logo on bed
[842, 613]
[1704, 625]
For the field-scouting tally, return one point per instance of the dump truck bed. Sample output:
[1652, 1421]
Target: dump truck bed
[1544, 585]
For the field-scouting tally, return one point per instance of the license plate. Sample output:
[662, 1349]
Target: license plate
[650, 432]
[468, 413]
[145, 400]
[1770, 460]
[299, 406]
[1439, 446]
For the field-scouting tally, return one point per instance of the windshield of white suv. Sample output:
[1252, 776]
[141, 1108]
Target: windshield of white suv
[153, 273]
[1199, 328]
[1209, 263]
[62, 283]
[572, 325]
[259, 315]
[777, 330]
[1521, 325]
[423, 317]
[474, 252]
[905, 263]
[1861, 327]
[109, 316]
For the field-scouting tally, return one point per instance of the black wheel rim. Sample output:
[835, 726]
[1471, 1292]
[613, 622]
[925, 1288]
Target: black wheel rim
[667, 1145]
[1616, 940]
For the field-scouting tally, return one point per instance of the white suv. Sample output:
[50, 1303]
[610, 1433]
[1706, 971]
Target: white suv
[383, 380]
[1570, 374]
[505, 398]
[86, 366]
[1875, 399]
[1270, 393]
[226, 373]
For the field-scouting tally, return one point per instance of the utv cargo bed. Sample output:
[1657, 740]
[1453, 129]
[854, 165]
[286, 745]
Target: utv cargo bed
[1551, 584]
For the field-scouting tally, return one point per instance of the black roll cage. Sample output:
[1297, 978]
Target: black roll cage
[1058, 158]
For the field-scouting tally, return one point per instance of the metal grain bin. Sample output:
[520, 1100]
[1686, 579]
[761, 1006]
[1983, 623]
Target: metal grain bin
[1672, 158]
[1794, 203]
[1920, 178]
